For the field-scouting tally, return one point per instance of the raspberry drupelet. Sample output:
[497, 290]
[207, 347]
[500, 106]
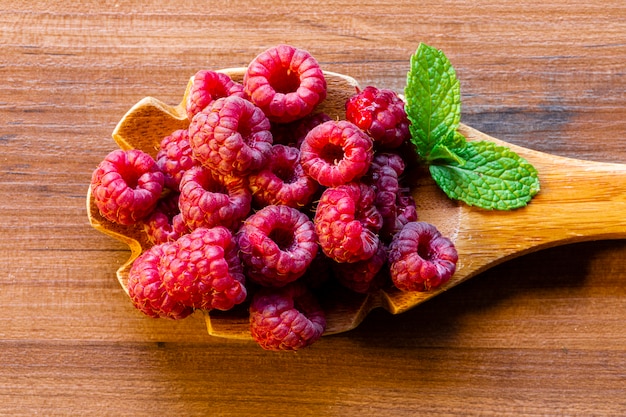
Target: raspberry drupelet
[287, 318]
[283, 181]
[208, 199]
[277, 244]
[208, 86]
[126, 186]
[335, 153]
[286, 82]
[421, 258]
[202, 269]
[231, 136]
[347, 222]
[175, 157]
[145, 288]
[380, 113]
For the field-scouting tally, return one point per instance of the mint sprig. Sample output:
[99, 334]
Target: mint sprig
[480, 174]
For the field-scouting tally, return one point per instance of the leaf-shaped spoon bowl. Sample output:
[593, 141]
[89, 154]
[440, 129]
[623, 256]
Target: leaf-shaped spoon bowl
[579, 200]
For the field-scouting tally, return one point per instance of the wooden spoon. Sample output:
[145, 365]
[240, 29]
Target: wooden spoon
[579, 201]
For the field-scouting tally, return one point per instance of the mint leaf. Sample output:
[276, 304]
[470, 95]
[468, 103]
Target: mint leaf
[433, 98]
[491, 177]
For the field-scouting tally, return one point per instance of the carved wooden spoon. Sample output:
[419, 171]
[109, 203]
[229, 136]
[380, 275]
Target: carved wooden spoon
[579, 201]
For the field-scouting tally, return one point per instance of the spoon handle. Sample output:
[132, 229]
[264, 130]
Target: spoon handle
[579, 201]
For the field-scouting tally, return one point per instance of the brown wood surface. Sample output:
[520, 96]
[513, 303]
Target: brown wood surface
[543, 334]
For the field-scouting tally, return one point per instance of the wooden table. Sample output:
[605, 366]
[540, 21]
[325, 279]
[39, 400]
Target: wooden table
[544, 334]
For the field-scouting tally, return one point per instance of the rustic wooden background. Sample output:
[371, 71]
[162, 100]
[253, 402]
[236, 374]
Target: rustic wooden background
[544, 334]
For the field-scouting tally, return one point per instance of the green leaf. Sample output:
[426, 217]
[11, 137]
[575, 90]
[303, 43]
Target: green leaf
[491, 177]
[433, 98]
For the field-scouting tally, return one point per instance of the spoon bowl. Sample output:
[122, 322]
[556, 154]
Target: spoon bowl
[579, 201]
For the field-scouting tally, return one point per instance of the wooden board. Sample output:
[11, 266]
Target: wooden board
[543, 334]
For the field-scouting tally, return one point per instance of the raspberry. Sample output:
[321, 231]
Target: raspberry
[231, 136]
[347, 222]
[380, 113]
[289, 318]
[145, 288]
[286, 82]
[335, 153]
[165, 224]
[208, 86]
[277, 245]
[361, 276]
[126, 186]
[208, 199]
[421, 258]
[202, 270]
[175, 157]
[283, 180]
[395, 206]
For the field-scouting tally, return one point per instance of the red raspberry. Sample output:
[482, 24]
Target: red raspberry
[231, 136]
[145, 288]
[380, 113]
[347, 222]
[335, 153]
[175, 157]
[283, 180]
[286, 82]
[393, 205]
[126, 186]
[361, 276]
[421, 258]
[202, 270]
[208, 199]
[165, 224]
[277, 244]
[289, 318]
[208, 86]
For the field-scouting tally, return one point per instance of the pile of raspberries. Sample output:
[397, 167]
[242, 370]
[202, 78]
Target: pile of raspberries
[262, 200]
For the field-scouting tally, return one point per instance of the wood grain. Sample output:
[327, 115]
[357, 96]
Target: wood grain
[543, 334]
